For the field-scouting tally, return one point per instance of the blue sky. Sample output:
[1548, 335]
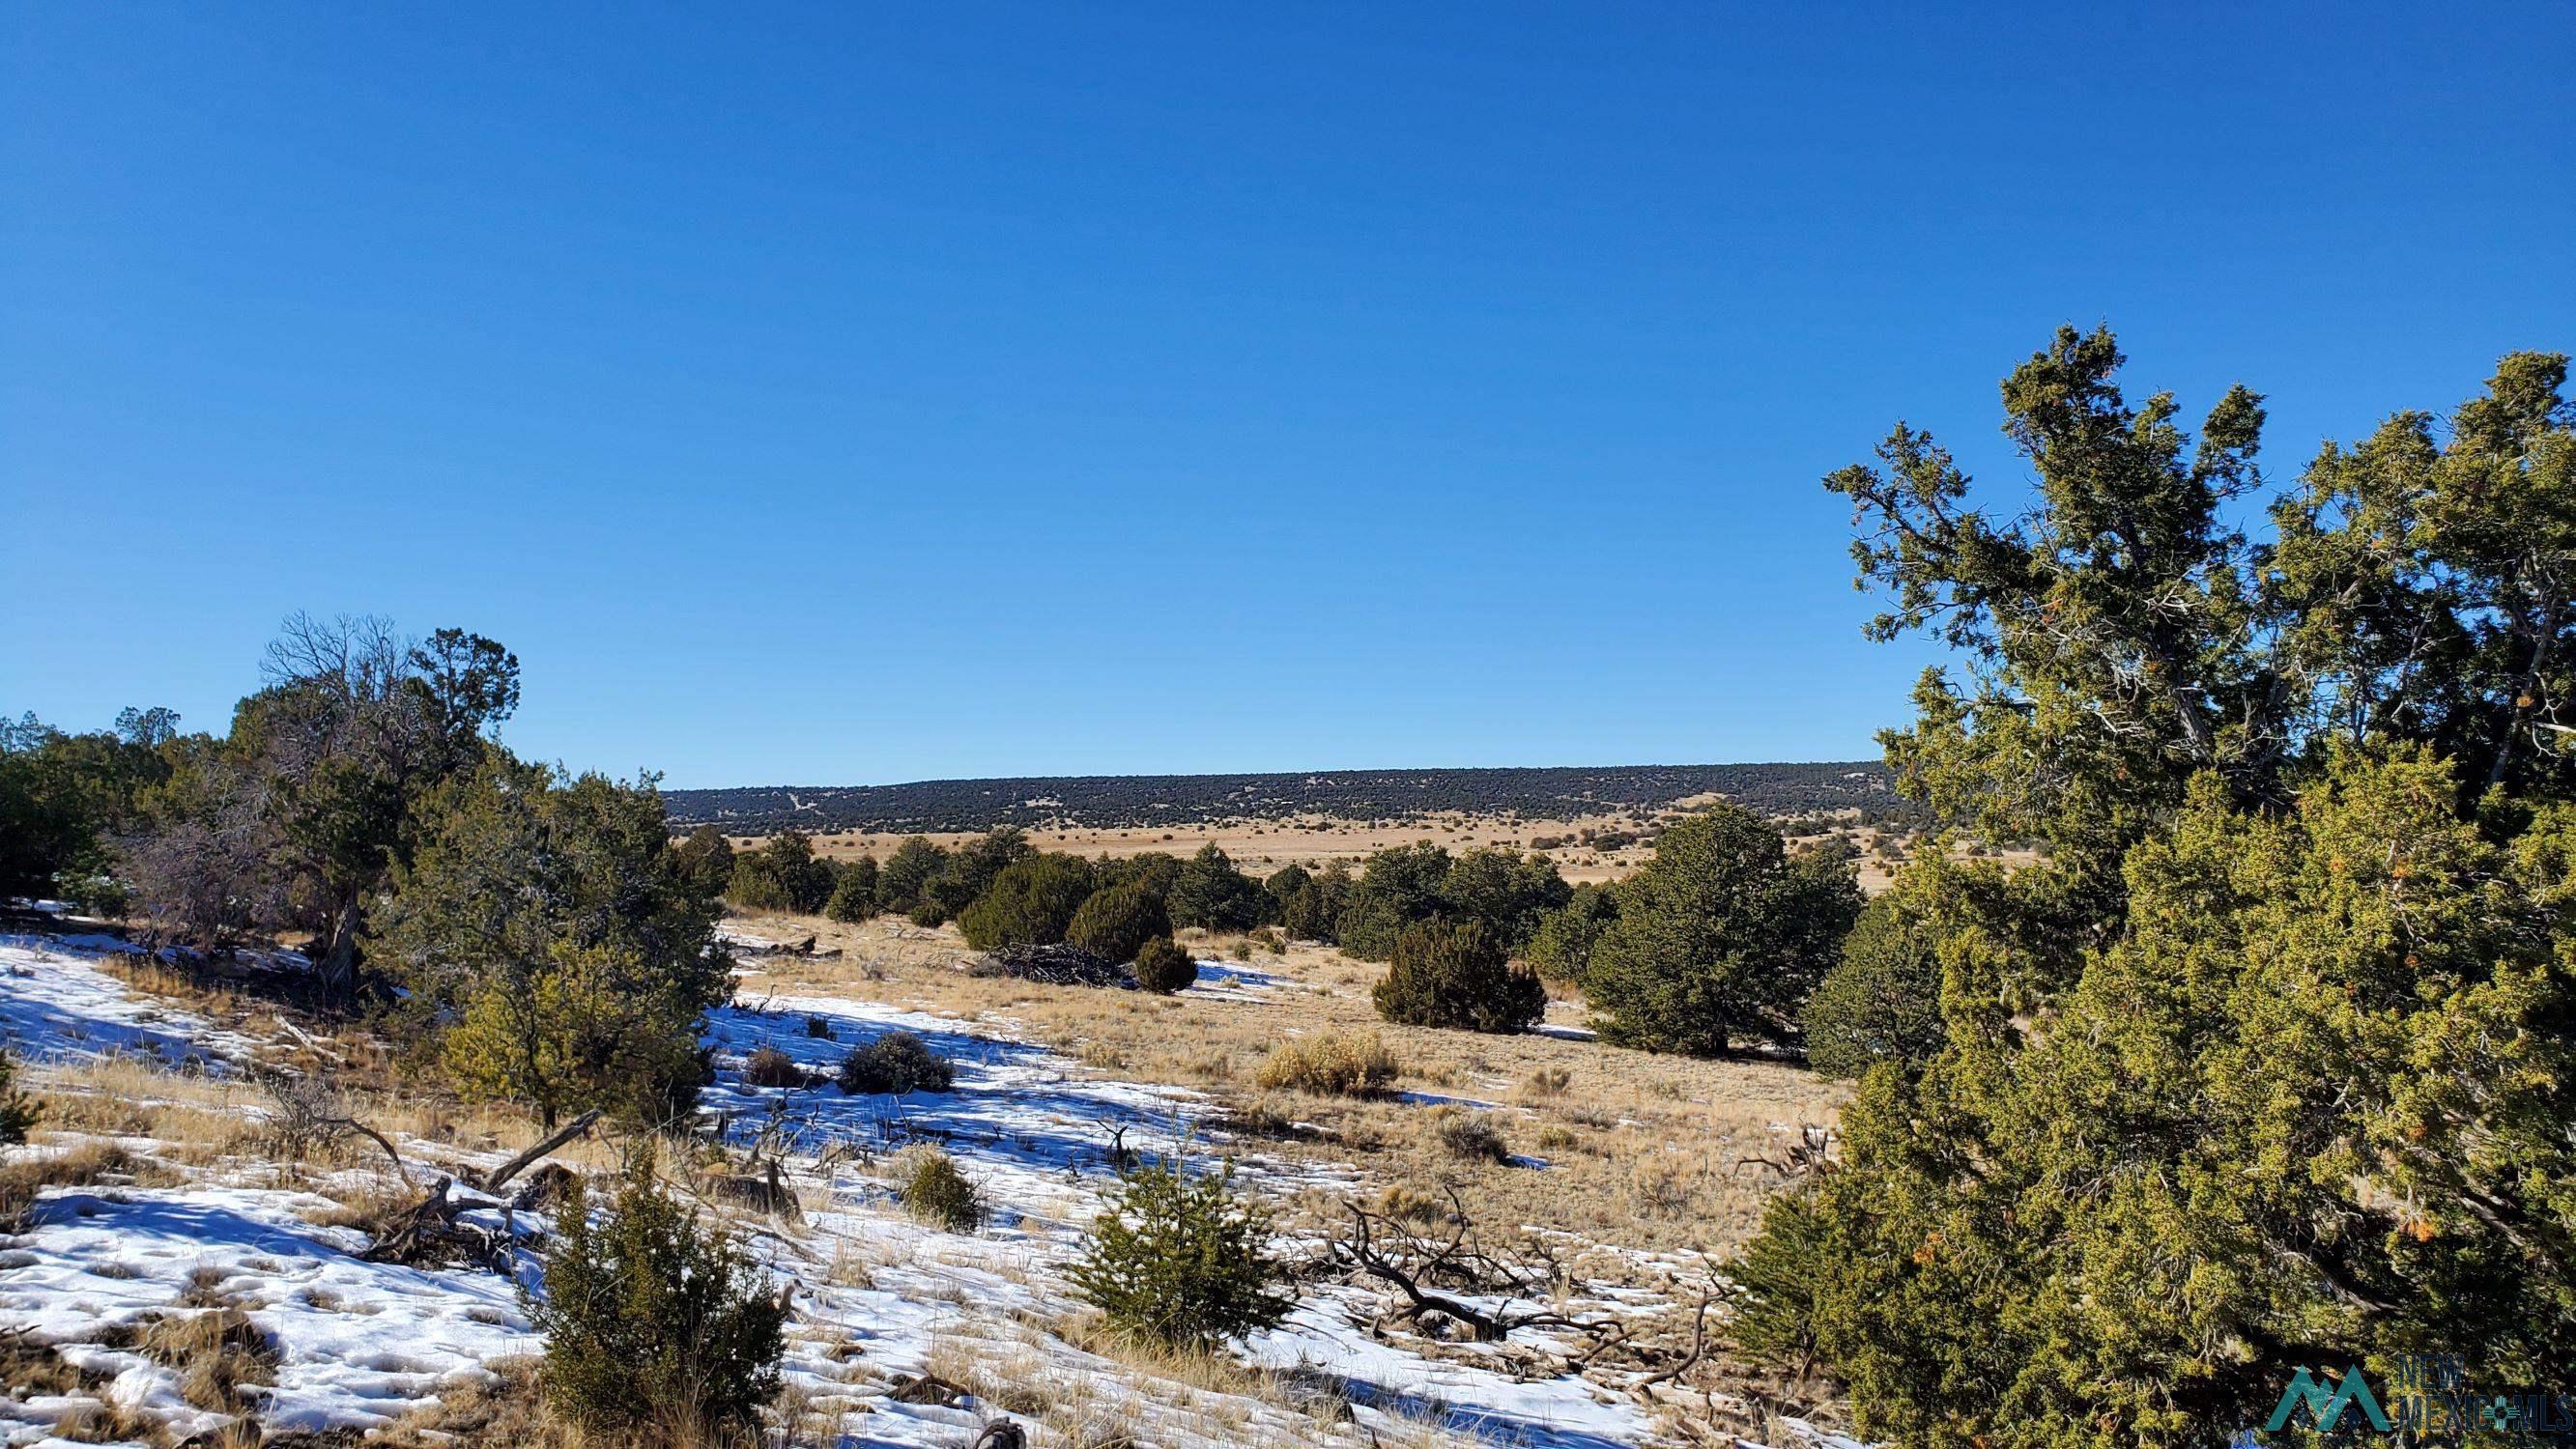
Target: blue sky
[845, 393]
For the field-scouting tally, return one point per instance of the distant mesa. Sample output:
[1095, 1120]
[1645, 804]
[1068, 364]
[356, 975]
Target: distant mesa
[1114, 802]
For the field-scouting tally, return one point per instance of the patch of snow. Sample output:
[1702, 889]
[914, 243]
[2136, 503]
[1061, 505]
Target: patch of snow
[359, 1343]
[58, 1004]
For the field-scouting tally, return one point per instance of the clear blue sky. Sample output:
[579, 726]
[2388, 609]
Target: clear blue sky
[862, 393]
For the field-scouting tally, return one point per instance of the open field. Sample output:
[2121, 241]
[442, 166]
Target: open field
[187, 1260]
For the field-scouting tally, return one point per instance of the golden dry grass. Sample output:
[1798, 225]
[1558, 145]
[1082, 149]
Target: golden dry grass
[1641, 1150]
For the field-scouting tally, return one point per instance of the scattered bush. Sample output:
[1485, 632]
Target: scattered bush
[927, 914]
[1455, 975]
[770, 1067]
[1162, 967]
[816, 1026]
[654, 1323]
[1182, 1261]
[1329, 1064]
[1467, 1134]
[934, 1191]
[18, 1111]
[1117, 922]
[894, 1064]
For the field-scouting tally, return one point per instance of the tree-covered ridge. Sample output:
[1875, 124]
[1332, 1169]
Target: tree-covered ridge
[1139, 801]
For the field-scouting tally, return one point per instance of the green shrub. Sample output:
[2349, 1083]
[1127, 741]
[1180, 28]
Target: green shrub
[1882, 1003]
[1117, 922]
[894, 1064]
[1162, 967]
[854, 896]
[934, 1191]
[1182, 1261]
[1029, 904]
[1784, 1281]
[1455, 975]
[816, 1026]
[653, 1323]
[1329, 1064]
[18, 1111]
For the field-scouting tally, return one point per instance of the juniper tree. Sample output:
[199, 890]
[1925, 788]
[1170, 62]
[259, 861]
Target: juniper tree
[1454, 974]
[1210, 892]
[906, 872]
[1029, 904]
[1115, 923]
[854, 893]
[1719, 939]
[2263, 1062]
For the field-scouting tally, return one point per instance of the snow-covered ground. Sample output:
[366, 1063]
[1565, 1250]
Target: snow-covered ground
[879, 1295]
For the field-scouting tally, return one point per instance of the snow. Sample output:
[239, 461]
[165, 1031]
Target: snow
[361, 1343]
[58, 1004]
[878, 1294]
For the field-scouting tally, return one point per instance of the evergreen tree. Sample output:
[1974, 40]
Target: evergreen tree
[854, 894]
[906, 873]
[1313, 911]
[1509, 892]
[706, 858]
[1398, 887]
[556, 918]
[1029, 904]
[1561, 949]
[657, 1328]
[783, 875]
[2262, 1065]
[1210, 893]
[971, 870]
[1882, 1001]
[1162, 967]
[1117, 922]
[1182, 1260]
[1719, 939]
[18, 1111]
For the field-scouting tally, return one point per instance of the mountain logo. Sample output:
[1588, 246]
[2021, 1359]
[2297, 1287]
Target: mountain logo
[2304, 1392]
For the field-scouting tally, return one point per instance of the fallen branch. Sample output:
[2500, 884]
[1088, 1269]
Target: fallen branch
[497, 1177]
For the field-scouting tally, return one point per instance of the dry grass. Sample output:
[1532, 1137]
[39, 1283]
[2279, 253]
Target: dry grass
[1330, 1064]
[1626, 1134]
